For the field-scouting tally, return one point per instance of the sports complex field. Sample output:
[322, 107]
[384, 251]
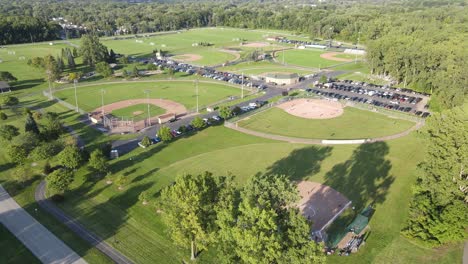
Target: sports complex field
[353, 124]
[89, 97]
[380, 173]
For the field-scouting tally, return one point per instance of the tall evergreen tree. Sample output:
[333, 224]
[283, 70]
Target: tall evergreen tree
[92, 50]
[30, 125]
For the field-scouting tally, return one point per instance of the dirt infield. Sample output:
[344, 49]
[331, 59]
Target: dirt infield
[320, 203]
[256, 44]
[312, 108]
[187, 57]
[331, 56]
[168, 105]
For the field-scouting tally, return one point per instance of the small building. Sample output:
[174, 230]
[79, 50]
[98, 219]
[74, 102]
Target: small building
[282, 78]
[4, 87]
[166, 118]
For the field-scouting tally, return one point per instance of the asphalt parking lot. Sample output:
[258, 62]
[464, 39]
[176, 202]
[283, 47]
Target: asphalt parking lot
[381, 96]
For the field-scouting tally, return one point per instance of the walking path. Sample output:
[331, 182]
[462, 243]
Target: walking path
[40, 241]
[76, 227]
[320, 141]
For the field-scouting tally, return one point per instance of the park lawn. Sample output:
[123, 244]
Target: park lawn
[12, 251]
[89, 96]
[138, 112]
[352, 124]
[306, 58]
[24, 196]
[262, 67]
[361, 67]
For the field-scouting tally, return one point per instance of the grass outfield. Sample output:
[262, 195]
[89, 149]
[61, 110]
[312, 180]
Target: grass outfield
[142, 110]
[380, 172]
[12, 250]
[306, 58]
[261, 67]
[353, 124]
[89, 97]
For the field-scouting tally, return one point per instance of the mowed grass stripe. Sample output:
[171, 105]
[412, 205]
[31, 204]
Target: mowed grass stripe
[353, 124]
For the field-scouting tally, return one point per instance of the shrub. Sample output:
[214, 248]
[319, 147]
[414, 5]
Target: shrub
[3, 116]
[146, 142]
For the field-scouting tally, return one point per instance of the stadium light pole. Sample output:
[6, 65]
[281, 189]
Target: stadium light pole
[359, 36]
[147, 92]
[76, 97]
[102, 102]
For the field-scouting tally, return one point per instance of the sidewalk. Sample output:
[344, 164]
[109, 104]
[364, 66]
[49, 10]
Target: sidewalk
[40, 241]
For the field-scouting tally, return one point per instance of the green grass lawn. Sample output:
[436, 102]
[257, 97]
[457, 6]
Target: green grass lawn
[353, 124]
[12, 251]
[138, 112]
[361, 67]
[89, 97]
[306, 58]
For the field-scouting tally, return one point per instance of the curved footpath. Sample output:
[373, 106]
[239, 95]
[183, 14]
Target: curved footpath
[38, 239]
[76, 227]
[321, 141]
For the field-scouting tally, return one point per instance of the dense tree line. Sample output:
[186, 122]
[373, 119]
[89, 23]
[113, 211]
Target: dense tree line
[22, 29]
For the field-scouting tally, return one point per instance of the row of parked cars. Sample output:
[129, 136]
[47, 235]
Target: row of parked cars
[210, 73]
[383, 87]
[394, 97]
[359, 99]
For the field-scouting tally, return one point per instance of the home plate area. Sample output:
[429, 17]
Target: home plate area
[320, 204]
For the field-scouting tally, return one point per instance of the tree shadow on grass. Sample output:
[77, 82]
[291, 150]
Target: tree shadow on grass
[25, 84]
[300, 163]
[364, 178]
[144, 175]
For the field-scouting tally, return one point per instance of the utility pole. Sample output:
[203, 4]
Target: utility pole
[359, 36]
[196, 91]
[242, 86]
[102, 102]
[147, 92]
[76, 97]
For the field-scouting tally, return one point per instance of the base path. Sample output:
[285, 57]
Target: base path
[331, 56]
[76, 227]
[40, 241]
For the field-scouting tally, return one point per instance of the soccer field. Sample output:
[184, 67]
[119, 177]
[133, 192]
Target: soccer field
[89, 97]
[353, 124]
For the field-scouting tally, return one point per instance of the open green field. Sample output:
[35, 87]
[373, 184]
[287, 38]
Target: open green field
[138, 112]
[89, 97]
[305, 58]
[352, 124]
[12, 250]
[354, 67]
[262, 67]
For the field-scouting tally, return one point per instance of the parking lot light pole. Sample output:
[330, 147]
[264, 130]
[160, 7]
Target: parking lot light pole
[147, 92]
[76, 97]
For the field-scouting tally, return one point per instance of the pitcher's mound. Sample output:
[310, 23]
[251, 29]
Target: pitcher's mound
[312, 108]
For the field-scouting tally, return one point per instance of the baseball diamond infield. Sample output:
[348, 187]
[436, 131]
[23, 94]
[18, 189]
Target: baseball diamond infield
[169, 106]
[312, 108]
[331, 56]
[187, 57]
[320, 204]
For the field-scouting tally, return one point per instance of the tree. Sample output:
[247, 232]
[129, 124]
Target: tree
[189, 209]
[123, 60]
[70, 157]
[164, 133]
[225, 112]
[52, 127]
[124, 74]
[22, 174]
[146, 141]
[92, 50]
[18, 154]
[323, 79]
[198, 123]
[10, 101]
[170, 72]
[52, 69]
[98, 161]
[144, 197]
[112, 56]
[236, 110]
[104, 69]
[438, 211]
[264, 212]
[7, 76]
[3, 116]
[46, 150]
[8, 132]
[59, 180]
[135, 73]
[75, 52]
[30, 125]
[120, 181]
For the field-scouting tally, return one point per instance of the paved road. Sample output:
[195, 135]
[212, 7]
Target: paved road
[76, 227]
[40, 241]
[465, 253]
